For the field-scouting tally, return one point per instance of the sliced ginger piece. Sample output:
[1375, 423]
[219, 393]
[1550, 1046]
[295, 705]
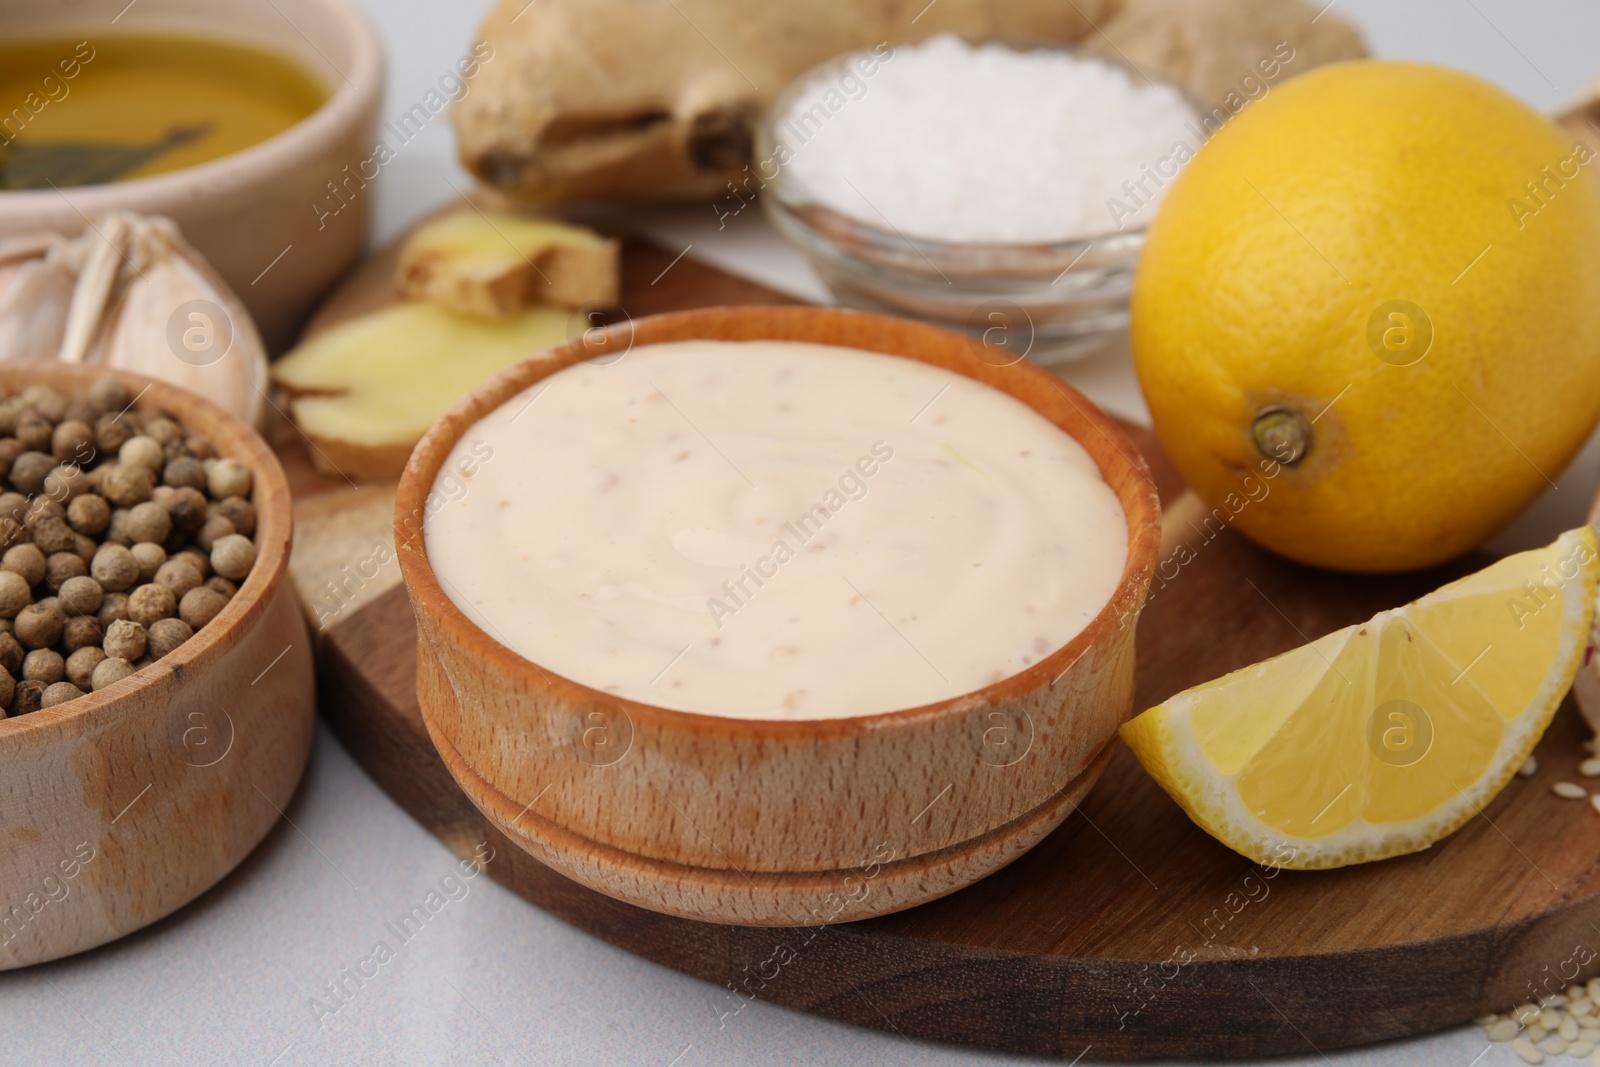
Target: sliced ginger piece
[364, 392]
[494, 264]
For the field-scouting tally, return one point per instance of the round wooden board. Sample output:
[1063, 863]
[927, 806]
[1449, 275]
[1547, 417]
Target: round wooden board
[1128, 932]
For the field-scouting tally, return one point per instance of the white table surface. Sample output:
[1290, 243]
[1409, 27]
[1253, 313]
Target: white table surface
[231, 978]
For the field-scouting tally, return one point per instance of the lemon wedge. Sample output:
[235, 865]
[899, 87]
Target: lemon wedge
[1381, 738]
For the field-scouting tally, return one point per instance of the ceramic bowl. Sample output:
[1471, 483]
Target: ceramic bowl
[121, 806]
[777, 822]
[244, 211]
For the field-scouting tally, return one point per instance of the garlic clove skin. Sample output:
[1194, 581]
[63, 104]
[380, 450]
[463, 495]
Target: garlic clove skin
[175, 320]
[132, 294]
[33, 308]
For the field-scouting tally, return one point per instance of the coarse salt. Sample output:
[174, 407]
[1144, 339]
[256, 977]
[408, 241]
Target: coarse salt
[983, 143]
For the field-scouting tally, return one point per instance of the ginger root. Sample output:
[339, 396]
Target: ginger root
[365, 391]
[659, 98]
[494, 264]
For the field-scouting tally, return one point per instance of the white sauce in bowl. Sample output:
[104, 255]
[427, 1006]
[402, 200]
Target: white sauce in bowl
[774, 530]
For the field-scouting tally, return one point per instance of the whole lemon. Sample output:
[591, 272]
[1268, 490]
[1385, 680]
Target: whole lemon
[1367, 316]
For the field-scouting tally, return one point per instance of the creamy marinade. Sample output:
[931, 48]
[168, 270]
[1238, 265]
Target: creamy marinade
[774, 530]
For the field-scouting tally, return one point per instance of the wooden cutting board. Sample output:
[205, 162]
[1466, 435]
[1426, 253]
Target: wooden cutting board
[1128, 932]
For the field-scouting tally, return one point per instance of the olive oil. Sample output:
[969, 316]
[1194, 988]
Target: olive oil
[99, 108]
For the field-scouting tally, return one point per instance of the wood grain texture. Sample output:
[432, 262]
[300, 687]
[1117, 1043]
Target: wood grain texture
[121, 806]
[744, 820]
[1128, 931]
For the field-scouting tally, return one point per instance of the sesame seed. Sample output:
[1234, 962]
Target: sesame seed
[1529, 768]
[1590, 768]
[1527, 1050]
[1569, 790]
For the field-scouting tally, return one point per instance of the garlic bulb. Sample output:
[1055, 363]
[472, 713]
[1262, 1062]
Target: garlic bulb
[131, 293]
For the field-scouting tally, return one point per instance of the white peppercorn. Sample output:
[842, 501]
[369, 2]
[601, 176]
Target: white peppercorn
[227, 477]
[125, 639]
[48, 402]
[63, 565]
[11, 654]
[233, 556]
[81, 666]
[27, 697]
[200, 605]
[186, 472]
[53, 535]
[213, 530]
[117, 530]
[15, 594]
[13, 506]
[238, 511]
[59, 693]
[72, 440]
[166, 635]
[108, 395]
[44, 665]
[149, 521]
[34, 431]
[29, 471]
[197, 559]
[110, 671]
[149, 556]
[65, 482]
[142, 451]
[163, 431]
[38, 626]
[179, 575]
[188, 508]
[80, 596]
[116, 568]
[81, 631]
[151, 603]
[25, 560]
[127, 484]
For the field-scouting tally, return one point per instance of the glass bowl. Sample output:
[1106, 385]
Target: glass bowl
[1051, 302]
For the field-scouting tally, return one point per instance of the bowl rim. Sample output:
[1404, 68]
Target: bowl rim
[348, 97]
[816, 325]
[889, 239]
[273, 536]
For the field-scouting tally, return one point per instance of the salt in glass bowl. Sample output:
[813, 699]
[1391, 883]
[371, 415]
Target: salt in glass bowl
[1051, 302]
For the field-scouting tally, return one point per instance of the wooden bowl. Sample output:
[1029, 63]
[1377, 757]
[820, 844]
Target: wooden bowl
[121, 806]
[764, 822]
[246, 210]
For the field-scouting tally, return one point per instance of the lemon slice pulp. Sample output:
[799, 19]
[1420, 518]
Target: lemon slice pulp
[1381, 738]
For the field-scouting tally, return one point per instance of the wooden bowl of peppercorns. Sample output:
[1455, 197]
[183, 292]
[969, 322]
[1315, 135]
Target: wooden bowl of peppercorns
[155, 672]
